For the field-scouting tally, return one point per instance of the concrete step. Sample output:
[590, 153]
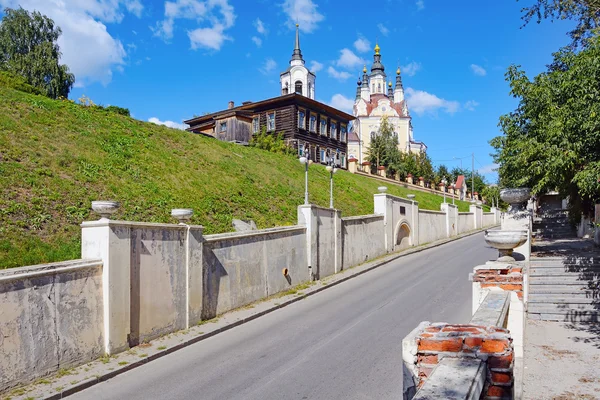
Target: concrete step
[556, 235]
[583, 274]
[561, 299]
[567, 313]
[553, 229]
[574, 290]
[565, 279]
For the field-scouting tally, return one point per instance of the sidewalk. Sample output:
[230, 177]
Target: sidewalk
[562, 359]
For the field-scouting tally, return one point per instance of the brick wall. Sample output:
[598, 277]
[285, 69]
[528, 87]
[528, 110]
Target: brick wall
[491, 344]
[509, 277]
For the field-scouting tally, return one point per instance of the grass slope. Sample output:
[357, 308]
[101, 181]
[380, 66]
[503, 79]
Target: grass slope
[57, 156]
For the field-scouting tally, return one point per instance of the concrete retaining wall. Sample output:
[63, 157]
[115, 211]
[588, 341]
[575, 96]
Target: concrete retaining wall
[432, 226]
[489, 219]
[50, 318]
[241, 268]
[363, 239]
[465, 222]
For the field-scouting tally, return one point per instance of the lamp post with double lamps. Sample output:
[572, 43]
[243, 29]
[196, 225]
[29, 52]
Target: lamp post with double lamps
[305, 159]
[332, 170]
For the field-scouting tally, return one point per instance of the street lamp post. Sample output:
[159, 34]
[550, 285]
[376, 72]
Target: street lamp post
[305, 159]
[453, 186]
[444, 183]
[332, 170]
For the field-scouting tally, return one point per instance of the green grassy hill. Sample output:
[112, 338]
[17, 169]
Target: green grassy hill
[58, 156]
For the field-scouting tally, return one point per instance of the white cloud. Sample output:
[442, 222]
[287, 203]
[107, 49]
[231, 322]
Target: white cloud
[420, 4]
[260, 27]
[257, 41]
[384, 31]
[341, 102]
[411, 68]
[348, 59]
[302, 12]
[471, 104]
[339, 75]
[315, 66]
[422, 102]
[488, 169]
[268, 66]
[170, 124]
[478, 70]
[218, 14]
[91, 53]
[362, 45]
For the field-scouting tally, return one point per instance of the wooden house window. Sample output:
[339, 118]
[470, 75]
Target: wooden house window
[271, 121]
[343, 160]
[223, 127]
[333, 130]
[323, 126]
[255, 124]
[313, 122]
[343, 132]
[302, 119]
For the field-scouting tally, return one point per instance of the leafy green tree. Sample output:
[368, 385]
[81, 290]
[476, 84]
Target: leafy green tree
[442, 173]
[28, 48]
[383, 149]
[552, 140]
[274, 143]
[586, 13]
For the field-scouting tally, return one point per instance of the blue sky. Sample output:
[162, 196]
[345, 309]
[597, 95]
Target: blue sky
[167, 61]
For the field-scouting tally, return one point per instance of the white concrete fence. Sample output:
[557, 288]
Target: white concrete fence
[138, 281]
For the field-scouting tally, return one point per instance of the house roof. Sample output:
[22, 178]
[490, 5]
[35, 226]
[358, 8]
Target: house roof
[253, 107]
[460, 181]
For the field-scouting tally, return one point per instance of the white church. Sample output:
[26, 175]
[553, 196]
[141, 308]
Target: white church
[375, 98]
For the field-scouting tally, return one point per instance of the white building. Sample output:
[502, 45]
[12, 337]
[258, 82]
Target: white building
[375, 98]
[297, 78]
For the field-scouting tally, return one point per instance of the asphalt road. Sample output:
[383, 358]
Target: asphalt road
[342, 343]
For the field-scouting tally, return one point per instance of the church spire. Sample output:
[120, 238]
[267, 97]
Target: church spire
[398, 89]
[297, 54]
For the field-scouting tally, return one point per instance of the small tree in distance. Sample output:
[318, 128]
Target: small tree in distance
[28, 48]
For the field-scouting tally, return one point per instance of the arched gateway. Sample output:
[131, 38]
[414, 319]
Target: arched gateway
[403, 236]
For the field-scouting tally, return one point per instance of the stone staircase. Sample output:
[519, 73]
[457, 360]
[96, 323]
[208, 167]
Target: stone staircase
[553, 224]
[564, 289]
[564, 273]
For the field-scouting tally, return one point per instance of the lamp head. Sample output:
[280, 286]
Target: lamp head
[302, 160]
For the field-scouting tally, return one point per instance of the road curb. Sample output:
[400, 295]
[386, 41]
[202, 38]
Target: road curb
[353, 272]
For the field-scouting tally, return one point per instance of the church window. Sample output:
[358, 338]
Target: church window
[343, 132]
[373, 135]
[323, 125]
[302, 119]
[378, 87]
[309, 91]
[255, 124]
[271, 121]
[313, 123]
[373, 88]
[298, 87]
[223, 127]
[333, 130]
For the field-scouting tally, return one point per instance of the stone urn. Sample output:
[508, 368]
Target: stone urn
[382, 189]
[105, 208]
[182, 215]
[515, 197]
[505, 242]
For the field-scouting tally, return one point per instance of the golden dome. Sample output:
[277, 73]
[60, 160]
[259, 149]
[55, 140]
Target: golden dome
[377, 48]
[365, 69]
[398, 71]
[390, 84]
[297, 25]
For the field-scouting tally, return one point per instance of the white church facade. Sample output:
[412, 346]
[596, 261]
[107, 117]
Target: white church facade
[376, 98]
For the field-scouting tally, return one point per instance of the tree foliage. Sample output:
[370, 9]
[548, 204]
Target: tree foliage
[552, 140]
[271, 142]
[383, 149]
[585, 12]
[28, 48]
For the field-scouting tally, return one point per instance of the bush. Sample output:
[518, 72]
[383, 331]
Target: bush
[271, 142]
[18, 83]
[118, 110]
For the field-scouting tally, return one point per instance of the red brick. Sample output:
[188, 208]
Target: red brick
[494, 346]
[427, 335]
[472, 343]
[503, 362]
[501, 377]
[424, 372]
[429, 359]
[516, 269]
[499, 391]
[453, 344]
[462, 328]
[433, 329]
[511, 287]
[516, 278]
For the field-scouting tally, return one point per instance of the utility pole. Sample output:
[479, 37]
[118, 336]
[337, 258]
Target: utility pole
[472, 176]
